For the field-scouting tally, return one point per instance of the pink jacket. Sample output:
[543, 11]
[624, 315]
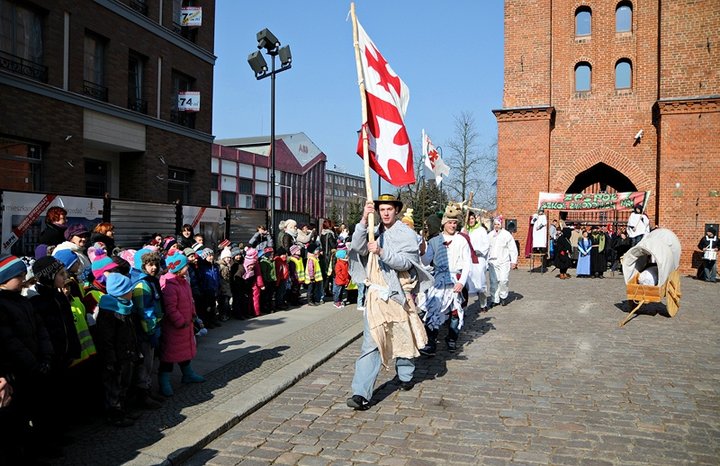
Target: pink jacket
[178, 336]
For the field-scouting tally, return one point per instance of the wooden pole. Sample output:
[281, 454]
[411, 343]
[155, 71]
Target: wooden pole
[363, 100]
[469, 205]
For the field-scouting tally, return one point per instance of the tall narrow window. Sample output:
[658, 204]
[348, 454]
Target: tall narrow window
[181, 82]
[583, 76]
[94, 67]
[136, 76]
[21, 42]
[583, 21]
[623, 74]
[179, 184]
[623, 17]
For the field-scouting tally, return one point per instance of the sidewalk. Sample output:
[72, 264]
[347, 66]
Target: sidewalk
[246, 363]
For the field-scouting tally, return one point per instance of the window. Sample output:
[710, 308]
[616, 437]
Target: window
[245, 186]
[214, 180]
[136, 78]
[228, 199]
[583, 20]
[583, 74]
[94, 67]
[623, 17]
[21, 162]
[261, 202]
[96, 177]
[21, 44]
[623, 74]
[179, 185]
[139, 6]
[181, 82]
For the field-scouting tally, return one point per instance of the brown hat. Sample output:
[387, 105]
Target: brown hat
[453, 211]
[388, 199]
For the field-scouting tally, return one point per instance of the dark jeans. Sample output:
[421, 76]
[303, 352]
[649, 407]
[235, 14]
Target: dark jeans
[338, 292]
[314, 292]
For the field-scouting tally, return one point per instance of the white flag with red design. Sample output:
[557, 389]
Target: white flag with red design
[433, 160]
[387, 99]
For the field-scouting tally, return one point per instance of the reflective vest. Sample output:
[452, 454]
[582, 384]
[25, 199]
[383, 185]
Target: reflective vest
[299, 268]
[87, 346]
[318, 275]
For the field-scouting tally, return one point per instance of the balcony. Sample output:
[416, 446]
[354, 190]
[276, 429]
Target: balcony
[186, 119]
[139, 6]
[17, 65]
[96, 91]
[138, 105]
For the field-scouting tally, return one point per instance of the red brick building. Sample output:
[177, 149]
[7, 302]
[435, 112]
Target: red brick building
[583, 78]
[94, 98]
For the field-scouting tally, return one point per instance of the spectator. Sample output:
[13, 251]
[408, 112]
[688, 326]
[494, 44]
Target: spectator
[282, 278]
[186, 239]
[253, 280]
[55, 226]
[341, 276]
[267, 268]
[105, 233]
[225, 294]
[261, 239]
[313, 276]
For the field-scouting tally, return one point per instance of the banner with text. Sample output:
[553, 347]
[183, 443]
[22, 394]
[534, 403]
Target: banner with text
[593, 201]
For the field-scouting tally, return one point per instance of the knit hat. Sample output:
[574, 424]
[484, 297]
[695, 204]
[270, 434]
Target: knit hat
[251, 253]
[168, 242]
[96, 249]
[67, 257]
[268, 250]
[128, 255]
[45, 269]
[175, 262]
[197, 247]
[225, 253]
[11, 267]
[138, 262]
[41, 251]
[189, 251]
[102, 264]
[498, 220]
[311, 248]
[236, 251]
[341, 245]
[295, 250]
[204, 253]
[341, 254]
[76, 230]
[280, 251]
[118, 285]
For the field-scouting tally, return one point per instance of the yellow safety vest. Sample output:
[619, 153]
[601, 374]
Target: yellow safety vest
[299, 268]
[87, 346]
[318, 276]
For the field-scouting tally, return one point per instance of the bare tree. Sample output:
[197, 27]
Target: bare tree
[472, 168]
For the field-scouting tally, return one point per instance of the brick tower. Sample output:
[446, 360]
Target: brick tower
[583, 78]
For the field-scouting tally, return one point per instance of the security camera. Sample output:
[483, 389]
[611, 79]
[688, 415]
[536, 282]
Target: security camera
[639, 134]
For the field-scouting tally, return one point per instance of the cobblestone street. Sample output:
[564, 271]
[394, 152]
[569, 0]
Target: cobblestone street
[548, 379]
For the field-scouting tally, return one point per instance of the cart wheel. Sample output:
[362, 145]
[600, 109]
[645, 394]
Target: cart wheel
[673, 293]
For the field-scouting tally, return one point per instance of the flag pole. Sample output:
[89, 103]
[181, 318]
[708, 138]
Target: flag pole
[363, 101]
[469, 205]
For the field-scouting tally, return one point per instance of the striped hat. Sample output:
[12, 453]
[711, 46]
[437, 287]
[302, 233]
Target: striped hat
[11, 267]
[102, 264]
[295, 250]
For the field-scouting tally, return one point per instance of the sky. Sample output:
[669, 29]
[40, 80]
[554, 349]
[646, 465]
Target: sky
[449, 53]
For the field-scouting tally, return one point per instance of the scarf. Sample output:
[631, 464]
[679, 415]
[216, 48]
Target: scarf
[117, 305]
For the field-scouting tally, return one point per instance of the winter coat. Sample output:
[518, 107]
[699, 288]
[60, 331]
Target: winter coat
[53, 308]
[115, 336]
[563, 251]
[177, 343]
[24, 342]
[342, 275]
[52, 235]
[209, 277]
[225, 279]
[105, 239]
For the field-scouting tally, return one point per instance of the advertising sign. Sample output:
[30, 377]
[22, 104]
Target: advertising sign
[593, 201]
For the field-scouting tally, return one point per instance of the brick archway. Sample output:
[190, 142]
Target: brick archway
[610, 158]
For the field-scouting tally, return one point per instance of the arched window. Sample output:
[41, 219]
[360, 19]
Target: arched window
[623, 74]
[623, 17]
[583, 19]
[583, 75]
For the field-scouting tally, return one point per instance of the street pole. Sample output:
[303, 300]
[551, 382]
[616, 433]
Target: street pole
[272, 148]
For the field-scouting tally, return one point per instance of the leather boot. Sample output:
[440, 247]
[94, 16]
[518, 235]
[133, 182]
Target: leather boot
[164, 384]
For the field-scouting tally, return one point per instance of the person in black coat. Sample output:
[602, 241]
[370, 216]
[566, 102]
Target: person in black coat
[55, 225]
[104, 233]
[563, 253]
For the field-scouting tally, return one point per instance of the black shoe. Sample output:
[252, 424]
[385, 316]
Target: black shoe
[312, 303]
[358, 403]
[406, 386]
[503, 302]
[428, 350]
[451, 346]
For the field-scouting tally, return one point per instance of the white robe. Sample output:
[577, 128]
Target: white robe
[503, 253]
[477, 282]
[539, 236]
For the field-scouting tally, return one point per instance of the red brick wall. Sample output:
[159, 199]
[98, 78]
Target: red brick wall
[599, 126]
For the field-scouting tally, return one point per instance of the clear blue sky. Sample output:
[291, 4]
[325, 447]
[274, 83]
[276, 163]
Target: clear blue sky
[450, 54]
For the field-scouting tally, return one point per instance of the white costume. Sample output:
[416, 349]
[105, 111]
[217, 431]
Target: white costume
[539, 236]
[481, 244]
[503, 254]
[638, 224]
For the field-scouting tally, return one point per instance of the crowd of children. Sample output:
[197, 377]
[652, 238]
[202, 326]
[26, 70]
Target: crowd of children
[94, 320]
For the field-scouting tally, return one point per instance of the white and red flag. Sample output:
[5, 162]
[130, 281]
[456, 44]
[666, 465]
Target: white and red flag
[387, 98]
[433, 160]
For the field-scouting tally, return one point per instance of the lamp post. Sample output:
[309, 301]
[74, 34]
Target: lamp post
[267, 40]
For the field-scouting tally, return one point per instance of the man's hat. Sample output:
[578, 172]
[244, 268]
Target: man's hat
[388, 199]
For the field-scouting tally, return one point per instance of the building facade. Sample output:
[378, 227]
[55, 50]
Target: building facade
[342, 190]
[613, 96]
[241, 174]
[107, 96]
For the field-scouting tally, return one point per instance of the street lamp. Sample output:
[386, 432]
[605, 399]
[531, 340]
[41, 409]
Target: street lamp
[267, 40]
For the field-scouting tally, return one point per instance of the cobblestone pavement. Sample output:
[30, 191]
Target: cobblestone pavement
[548, 379]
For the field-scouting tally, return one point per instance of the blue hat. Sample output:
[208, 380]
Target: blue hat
[11, 267]
[67, 257]
[176, 262]
[118, 284]
[341, 253]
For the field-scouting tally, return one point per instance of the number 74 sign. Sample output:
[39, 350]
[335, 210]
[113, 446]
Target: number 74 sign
[189, 101]
[191, 16]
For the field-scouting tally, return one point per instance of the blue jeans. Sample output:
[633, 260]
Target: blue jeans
[314, 292]
[368, 365]
[361, 295]
[338, 292]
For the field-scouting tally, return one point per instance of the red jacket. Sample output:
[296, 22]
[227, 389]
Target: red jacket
[282, 270]
[342, 276]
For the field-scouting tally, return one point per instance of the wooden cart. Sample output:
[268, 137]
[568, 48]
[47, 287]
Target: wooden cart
[664, 247]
